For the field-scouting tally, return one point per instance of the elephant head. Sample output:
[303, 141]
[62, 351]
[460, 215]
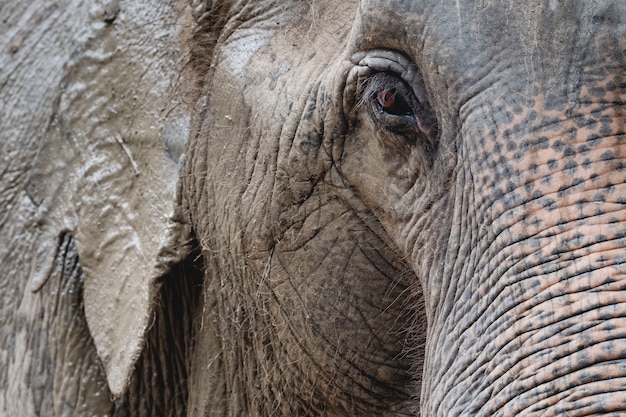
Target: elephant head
[379, 165]
[399, 208]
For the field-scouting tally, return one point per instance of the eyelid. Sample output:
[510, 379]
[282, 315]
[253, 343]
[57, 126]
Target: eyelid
[397, 63]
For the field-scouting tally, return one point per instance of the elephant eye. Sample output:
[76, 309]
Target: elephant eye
[395, 108]
[389, 101]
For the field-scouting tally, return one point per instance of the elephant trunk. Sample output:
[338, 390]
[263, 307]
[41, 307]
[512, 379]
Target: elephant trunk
[536, 323]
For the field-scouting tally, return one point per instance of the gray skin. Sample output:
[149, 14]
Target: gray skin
[384, 208]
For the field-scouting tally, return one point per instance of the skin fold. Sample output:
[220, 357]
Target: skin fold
[313, 208]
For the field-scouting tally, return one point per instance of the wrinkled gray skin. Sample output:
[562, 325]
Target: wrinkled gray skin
[399, 208]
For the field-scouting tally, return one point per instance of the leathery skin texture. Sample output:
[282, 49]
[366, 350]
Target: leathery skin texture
[454, 165]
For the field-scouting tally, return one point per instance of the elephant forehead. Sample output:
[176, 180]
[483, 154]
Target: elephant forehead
[463, 47]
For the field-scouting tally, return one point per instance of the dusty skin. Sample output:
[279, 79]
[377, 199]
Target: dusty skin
[287, 208]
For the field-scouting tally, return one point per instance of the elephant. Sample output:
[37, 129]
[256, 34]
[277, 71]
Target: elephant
[372, 208]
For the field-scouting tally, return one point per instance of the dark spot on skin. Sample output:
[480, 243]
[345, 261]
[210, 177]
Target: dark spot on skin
[563, 247]
[511, 146]
[613, 221]
[536, 222]
[506, 134]
[534, 168]
[611, 86]
[594, 140]
[553, 164]
[518, 156]
[609, 187]
[571, 167]
[507, 170]
[562, 191]
[593, 177]
[529, 186]
[583, 149]
[580, 203]
[598, 198]
[510, 186]
[549, 204]
[525, 146]
[608, 280]
[569, 152]
[512, 200]
[546, 180]
[605, 129]
[532, 116]
[577, 181]
[607, 156]
[601, 238]
[581, 121]
[592, 124]
[609, 326]
[621, 235]
[586, 163]
[605, 316]
[557, 146]
[542, 143]
[578, 239]
[621, 166]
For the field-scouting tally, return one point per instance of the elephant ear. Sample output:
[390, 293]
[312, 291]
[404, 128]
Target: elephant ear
[107, 169]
